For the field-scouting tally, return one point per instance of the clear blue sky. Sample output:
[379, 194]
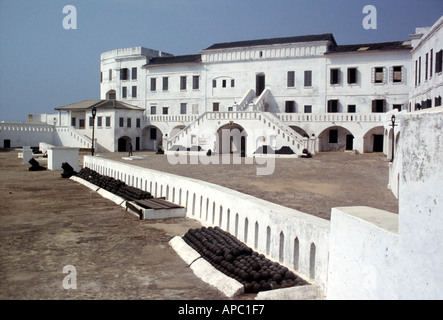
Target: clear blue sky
[43, 66]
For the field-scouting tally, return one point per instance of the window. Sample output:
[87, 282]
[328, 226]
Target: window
[195, 108]
[397, 74]
[332, 106]
[124, 74]
[81, 123]
[108, 121]
[438, 61]
[73, 121]
[426, 66]
[91, 121]
[378, 75]
[232, 83]
[153, 84]
[437, 101]
[396, 106]
[134, 91]
[291, 79]
[124, 92]
[308, 109]
[431, 64]
[290, 107]
[378, 106]
[416, 72]
[352, 75]
[195, 82]
[153, 133]
[101, 77]
[419, 70]
[224, 83]
[153, 110]
[111, 95]
[351, 108]
[165, 110]
[110, 74]
[334, 76]
[183, 83]
[182, 108]
[138, 122]
[308, 78]
[165, 83]
[134, 73]
[121, 122]
[99, 121]
[333, 136]
[128, 122]
[216, 106]
[214, 83]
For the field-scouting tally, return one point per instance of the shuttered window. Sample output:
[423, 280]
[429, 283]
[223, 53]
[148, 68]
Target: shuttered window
[334, 76]
[308, 78]
[291, 79]
[352, 75]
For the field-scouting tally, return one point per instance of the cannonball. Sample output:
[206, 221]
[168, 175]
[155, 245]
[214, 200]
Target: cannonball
[256, 288]
[277, 277]
[266, 286]
[290, 275]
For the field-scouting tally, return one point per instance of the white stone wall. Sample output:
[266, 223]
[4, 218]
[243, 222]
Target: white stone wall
[296, 239]
[375, 254]
[431, 83]
[25, 134]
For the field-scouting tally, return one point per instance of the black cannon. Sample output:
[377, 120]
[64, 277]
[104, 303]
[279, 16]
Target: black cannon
[68, 171]
[35, 166]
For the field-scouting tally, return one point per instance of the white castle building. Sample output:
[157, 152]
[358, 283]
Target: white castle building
[290, 94]
[297, 92]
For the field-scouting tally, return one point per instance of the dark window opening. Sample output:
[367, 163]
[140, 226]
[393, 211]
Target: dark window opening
[291, 79]
[333, 106]
[134, 73]
[153, 133]
[351, 108]
[124, 74]
[216, 106]
[378, 106]
[333, 136]
[334, 77]
[290, 107]
[397, 74]
[308, 108]
[308, 78]
[352, 75]
[378, 75]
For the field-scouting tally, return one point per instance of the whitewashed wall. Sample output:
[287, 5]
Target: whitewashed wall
[296, 239]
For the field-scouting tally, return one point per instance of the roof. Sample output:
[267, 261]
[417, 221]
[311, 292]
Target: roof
[386, 46]
[99, 104]
[192, 58]
[267, 42]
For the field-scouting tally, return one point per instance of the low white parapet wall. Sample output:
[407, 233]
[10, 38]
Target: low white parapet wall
[295, 239]
[58, 155]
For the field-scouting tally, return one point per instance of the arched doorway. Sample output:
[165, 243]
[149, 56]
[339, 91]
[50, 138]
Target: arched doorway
[123, 144]
[373, 140]
[231, 138]
[335, 138]
[152, 138]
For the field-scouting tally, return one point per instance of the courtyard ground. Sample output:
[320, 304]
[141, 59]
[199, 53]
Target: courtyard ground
[311, 185]
[47, 223]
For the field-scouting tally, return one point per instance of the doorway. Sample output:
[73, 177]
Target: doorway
[378, 143]
[260, 84]
[349, 142]
[6, 143]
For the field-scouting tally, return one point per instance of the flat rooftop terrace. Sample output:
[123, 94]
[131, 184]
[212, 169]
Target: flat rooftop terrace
[47, 223]
[311, 185]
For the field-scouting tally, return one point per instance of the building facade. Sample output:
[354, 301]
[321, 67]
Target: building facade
[297, 92]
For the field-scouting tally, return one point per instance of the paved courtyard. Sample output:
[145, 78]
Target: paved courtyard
[47, 223]
[311, 185]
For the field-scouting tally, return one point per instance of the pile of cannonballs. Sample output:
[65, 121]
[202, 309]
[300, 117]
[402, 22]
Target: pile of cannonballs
[235, 259]
[114, 186]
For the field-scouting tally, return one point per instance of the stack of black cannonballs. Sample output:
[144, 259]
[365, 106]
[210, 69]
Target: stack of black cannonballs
[114, 186]
[232, 257]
